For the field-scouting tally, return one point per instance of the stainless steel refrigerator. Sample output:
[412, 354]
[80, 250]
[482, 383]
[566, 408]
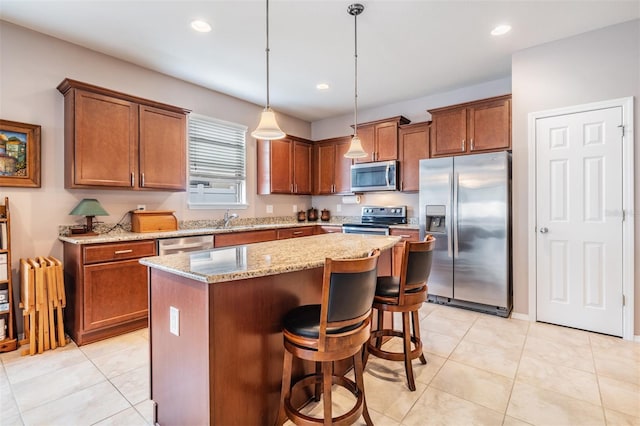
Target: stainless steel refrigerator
[465, 203]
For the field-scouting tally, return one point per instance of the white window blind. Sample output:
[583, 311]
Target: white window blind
[217, 163]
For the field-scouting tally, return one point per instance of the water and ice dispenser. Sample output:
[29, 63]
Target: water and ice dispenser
[436, 219]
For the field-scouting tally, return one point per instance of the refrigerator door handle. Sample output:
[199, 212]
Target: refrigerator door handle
[448, 209]
[455, 214]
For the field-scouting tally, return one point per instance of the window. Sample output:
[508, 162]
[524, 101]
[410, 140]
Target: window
[217, 163]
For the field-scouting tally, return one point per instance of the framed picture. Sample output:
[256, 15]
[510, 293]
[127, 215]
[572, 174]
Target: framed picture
[19, 154]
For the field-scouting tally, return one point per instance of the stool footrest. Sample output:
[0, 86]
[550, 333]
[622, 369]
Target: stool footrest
[393, 356]
[311, 380]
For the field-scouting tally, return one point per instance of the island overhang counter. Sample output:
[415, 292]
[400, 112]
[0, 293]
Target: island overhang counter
[219, 359]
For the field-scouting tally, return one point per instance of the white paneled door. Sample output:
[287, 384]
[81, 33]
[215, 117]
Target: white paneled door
[579, 184]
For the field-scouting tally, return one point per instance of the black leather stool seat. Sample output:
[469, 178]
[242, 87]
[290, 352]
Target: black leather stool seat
[305, 321]
[390, 287]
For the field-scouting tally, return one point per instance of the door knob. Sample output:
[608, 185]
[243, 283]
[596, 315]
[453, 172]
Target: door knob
[544, 230]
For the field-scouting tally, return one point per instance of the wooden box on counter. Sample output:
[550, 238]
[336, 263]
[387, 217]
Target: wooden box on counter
[153, 221]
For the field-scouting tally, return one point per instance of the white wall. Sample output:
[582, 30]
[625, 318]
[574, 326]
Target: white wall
[32, 66]
[594, 66]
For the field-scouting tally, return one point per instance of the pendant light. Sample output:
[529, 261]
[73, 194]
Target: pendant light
[268, 128]
[355, 149]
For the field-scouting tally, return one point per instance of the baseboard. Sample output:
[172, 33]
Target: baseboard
[519, 316]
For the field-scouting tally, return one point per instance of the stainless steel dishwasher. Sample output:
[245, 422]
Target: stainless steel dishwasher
[184, 244]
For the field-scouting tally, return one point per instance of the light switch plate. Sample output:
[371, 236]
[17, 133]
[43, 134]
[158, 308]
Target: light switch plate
[174, 320]
[295, 208]
[269, 208]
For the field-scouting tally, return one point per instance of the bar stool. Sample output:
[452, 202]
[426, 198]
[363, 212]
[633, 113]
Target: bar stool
[337, 329]
[406, 294]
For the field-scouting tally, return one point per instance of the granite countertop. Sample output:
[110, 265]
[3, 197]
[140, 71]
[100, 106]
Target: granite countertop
[133, 236]
[269, 258]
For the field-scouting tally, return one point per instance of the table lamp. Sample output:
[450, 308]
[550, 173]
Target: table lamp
[89, 207]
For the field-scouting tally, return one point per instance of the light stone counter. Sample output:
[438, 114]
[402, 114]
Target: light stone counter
[268, 258]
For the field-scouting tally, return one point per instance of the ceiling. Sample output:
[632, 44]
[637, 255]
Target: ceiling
[406, 49]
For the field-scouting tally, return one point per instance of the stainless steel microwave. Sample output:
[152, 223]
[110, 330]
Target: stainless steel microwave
[377, 176]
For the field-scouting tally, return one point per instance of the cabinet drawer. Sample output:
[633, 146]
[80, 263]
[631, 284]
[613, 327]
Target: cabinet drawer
[406, 234]
[240, 238]
[295, 232]
[118, 251]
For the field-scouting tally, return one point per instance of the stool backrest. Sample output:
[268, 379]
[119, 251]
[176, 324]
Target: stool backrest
[348, 290]
[416, 265]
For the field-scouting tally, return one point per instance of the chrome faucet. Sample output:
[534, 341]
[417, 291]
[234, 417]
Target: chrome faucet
[228, 217]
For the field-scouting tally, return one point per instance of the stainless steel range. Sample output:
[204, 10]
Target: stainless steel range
[376, 220]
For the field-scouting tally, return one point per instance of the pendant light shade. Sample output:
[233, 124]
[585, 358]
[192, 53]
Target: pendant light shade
[355, 149]
[268, 128]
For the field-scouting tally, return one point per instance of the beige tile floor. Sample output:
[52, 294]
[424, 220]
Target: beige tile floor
[481, 370]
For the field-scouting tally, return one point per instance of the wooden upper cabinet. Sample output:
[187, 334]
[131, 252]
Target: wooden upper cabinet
[302, 167]
[413, 147]
[380, 139]
[478, 126]
[490, 125]
[119, 141]
[332, 171]
[284, 166]
[162, 161]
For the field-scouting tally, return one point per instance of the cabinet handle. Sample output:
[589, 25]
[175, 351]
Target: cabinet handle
[404, 236]
[291, 186]
[296, 188]
[123, 251]
[471, 144]
[297, 233]
[142, 180]
[462, 149]
[132, 179]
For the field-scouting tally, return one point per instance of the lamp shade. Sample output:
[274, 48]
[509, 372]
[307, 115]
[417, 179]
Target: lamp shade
[89, 207]
[355, 149]
[268, 128]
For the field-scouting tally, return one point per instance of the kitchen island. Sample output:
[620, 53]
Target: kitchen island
[215, 324]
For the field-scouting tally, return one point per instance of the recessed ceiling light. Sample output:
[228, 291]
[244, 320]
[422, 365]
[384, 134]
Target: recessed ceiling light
[322, 86]
[500, 30]
[200, 26]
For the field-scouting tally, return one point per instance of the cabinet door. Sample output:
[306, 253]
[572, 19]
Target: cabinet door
[449, 132]
[163, 147]
[490, 126]
[367, 137]
[105, 143]
[302, 168]
[413, 147]
[281, 166]
[109, 299]
[342, 171]
[386, 137]
[326, 166]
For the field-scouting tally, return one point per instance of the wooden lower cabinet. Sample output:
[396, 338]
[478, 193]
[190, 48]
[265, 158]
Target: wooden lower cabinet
[106, 289]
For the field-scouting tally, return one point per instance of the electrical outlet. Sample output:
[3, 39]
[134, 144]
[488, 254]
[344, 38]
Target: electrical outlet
[295, 208]
[174, 320]
[141, 207]
[269, 208]
[338, 208]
